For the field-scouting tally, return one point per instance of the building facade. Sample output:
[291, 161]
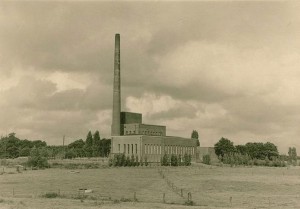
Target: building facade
[132, 137]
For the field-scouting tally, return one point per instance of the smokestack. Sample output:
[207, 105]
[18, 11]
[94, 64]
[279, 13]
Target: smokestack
[116, 126]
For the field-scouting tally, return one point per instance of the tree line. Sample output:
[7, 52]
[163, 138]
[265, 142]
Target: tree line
[252, 153]
[93, 146]
[13, 147]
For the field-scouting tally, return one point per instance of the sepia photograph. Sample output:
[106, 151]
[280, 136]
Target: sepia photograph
[149, 104]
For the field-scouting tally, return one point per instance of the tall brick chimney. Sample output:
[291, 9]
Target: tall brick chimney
[116, 126]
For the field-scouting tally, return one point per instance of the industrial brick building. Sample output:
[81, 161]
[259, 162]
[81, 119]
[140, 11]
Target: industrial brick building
[129, 135]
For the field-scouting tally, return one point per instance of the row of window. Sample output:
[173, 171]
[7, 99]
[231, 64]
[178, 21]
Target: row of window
[154, 133]
[169, 149]
[128, 148]
[156, 149]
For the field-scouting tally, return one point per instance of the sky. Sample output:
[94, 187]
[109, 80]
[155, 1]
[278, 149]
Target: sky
[225, 69]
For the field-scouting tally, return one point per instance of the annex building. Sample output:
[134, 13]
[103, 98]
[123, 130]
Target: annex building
[129, 135]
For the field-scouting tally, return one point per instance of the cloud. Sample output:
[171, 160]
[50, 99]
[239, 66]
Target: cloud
[223, 68]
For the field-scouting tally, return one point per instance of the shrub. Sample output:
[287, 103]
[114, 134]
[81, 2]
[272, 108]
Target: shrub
[206, 159]
[110, 162]
[146, 161]
[179, 160]
[137, 162]
[141, 161]
[187, 159]
[127, 161]
[165, 160]
[132, 160]
[37, 160]
[174, 161]
[189, 203]
[51, 195]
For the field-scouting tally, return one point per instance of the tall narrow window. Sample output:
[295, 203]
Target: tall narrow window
[131, 148]
[124, 148]
[119, 147]
[135, 148]
[128, 148]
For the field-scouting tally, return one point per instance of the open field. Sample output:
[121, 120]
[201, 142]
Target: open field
[210, 187]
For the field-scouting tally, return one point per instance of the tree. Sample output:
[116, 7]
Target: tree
[89, 139]
[37, 159]
[224, 146]
[195, 135]
[261, 150]
[96, 144]
[270, 150]
[78, 144]
[89, 145]
[241, 149]
[206, 159]
[292, 155]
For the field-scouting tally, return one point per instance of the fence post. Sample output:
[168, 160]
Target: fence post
[189, 196]
[164, 198]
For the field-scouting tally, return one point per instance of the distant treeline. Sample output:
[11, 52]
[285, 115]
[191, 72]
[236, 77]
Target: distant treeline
[252, 153]
[93, 146]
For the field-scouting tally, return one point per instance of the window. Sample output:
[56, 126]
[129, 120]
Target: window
[124, 148]
[135, 148]
[131, 148]
[119, 147]
[128, 148]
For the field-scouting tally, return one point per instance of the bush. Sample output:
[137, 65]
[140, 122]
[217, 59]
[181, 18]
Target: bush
[165, 160]
[137, 162]
[141, 162]
[127, 161]
[179, 160]
[206, 159]
[146, 161]
[187, 159]
[174, 160]
[37, 160]
[132, 160]
[51, 195]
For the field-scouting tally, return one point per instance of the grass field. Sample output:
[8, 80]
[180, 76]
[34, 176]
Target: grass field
[210, 187]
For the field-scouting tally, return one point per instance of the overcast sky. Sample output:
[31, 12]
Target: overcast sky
[225, 69]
